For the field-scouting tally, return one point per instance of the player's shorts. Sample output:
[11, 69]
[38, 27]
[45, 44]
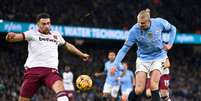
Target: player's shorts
[126, 91]
[165, 71]
[35, 77]
[148, 66]
[111, 89]
[164, 82]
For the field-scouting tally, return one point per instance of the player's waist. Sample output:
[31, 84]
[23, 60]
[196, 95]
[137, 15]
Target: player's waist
[40, 71]
[149, 51]
[40, 67]
[48, 64]
[111, 80]
[154, 56]
[42, 58]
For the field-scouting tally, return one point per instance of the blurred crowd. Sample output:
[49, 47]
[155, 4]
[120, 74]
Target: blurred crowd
[185, 71]
[121, 14]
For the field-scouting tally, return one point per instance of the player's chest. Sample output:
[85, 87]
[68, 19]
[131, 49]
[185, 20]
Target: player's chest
[46, 39]
[151, 35]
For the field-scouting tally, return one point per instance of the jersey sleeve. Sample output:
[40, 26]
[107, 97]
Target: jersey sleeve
[60, 39]
[127, 45]
[105, 67]
[131, 39]
[171, 29]
[132, 75]
[165, 24]
[28, 35]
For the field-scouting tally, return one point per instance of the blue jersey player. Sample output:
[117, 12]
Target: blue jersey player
[151, 53]
[112, 84]
[126, 82]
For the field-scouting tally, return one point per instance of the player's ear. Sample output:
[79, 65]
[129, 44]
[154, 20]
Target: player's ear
[38, 23]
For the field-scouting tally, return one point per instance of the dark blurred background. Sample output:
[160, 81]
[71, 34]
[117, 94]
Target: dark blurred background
[116, 14]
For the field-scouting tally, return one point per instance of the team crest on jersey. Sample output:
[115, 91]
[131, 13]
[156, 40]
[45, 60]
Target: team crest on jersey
[55, 37]
[150, 34]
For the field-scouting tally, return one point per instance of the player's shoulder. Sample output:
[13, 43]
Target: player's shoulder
[31, 31]
[135, 27]
[71, 73]
[53, 32]
[107, 62]
[158, 20]
[64, 73]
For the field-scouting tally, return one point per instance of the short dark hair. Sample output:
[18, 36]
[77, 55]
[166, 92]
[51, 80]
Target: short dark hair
[112, 51]
[66, 68]
[42, 15]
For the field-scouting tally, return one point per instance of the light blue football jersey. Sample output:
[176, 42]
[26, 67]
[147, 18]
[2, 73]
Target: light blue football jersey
[149, 42]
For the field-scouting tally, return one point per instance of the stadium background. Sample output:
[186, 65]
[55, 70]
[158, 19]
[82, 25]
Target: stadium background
[118, 14]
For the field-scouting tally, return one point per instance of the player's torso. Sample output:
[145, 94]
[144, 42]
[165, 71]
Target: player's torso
[43, 50]
[151, 39]
[41, 42]
[68, 81]
[68, 77]
[111, 79]
[150, 42]
[127, 78]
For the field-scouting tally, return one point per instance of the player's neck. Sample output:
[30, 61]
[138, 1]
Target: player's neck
[42, 32]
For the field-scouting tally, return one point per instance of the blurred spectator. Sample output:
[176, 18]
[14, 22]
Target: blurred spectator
[108, 14]
[68, 83]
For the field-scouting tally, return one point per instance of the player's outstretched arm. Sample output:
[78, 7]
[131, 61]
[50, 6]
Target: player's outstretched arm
[14, 37]
[99, 74]
[71, 48]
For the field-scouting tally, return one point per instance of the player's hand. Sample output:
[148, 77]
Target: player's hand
[85, 57]
[10, 36]
[167, 47]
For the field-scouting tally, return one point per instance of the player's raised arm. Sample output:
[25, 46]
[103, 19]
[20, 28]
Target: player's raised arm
[15, 37]
[71, 48]
[100, 74]
[171, 29]
[172, 33]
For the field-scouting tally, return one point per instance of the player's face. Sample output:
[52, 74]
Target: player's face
[44, 25]
[67, 69]
[111, 56]
[144, 23]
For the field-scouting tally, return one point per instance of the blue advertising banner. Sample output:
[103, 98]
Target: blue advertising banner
[92, 33]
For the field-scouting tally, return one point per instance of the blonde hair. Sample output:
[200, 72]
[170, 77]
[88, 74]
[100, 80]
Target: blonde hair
[144, 14]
